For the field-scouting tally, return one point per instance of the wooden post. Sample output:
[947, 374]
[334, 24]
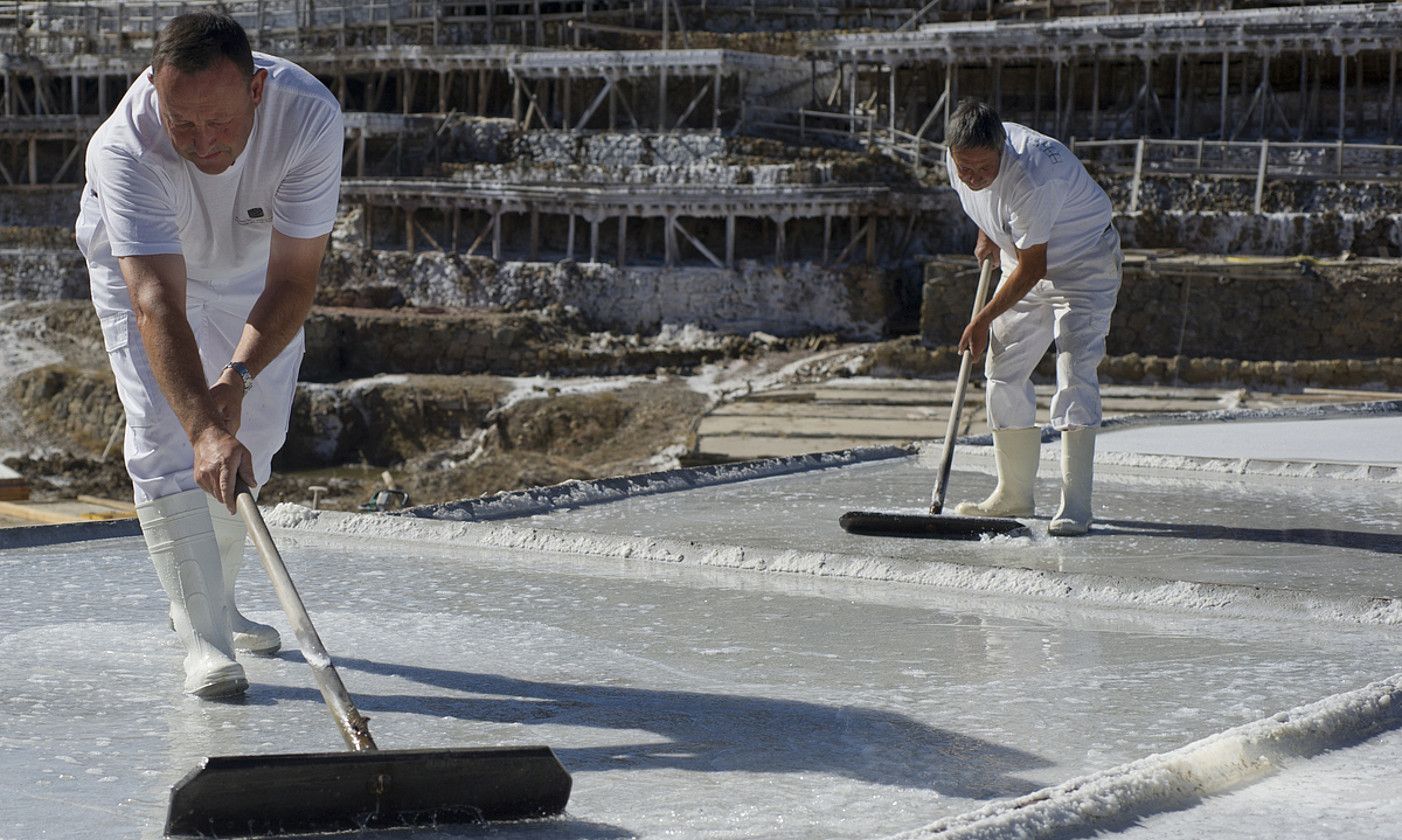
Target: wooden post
[409, 228]
[1392, 97]
[1138, 176]
[715, 96]
[496, 232]
[1095, 99]
[1343, 94]
[662, 100]
[622, 241]
[569, 245]
[1261, 173]
[1222, 132]
[669, 239]
[1178, 96]
[730, 241]
[891, 102]
[593, 239]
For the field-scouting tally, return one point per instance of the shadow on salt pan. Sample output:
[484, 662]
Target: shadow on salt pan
[1329, 537]
[707, 732]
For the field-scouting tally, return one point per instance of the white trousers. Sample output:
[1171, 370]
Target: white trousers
[1072, 307]
[159, 456]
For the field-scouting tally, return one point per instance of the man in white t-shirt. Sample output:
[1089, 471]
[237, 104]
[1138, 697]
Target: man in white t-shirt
[211, 193]
[1043, 219]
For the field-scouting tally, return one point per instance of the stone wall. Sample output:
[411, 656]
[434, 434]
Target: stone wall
[42, 274]
[1285, 309]
[856, 302]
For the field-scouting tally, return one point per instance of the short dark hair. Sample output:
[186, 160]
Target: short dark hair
[194, 42]
[975, 125]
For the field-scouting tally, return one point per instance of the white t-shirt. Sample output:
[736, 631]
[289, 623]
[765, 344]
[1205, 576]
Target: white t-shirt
[1042, 194]
[142, 198]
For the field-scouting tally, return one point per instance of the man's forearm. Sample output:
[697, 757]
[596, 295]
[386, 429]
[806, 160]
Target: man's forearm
[273, 322]
[158, 304]
[1013, 289]
[281, 310]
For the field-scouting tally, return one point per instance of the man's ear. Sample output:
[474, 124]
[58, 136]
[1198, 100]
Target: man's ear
[260, 76]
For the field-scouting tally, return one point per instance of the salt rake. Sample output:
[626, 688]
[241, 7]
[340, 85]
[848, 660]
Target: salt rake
[936, 524]
[251, 795]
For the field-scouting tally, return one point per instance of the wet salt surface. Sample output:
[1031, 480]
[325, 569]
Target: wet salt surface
[1365, 440]
[1331, 538]
[687, 701]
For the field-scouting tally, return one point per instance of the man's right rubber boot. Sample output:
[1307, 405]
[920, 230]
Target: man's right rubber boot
[180, 537]
[231, 533]
[1016, 452]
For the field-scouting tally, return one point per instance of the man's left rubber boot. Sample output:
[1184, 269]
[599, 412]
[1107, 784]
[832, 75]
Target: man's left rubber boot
[183, 550]
[1077, 474]
[231, 533]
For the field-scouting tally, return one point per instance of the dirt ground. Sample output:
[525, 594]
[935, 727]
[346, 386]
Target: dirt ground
[436, 437]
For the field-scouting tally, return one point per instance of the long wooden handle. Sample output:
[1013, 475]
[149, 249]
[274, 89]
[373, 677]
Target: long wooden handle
[355, 728]
[965, 364]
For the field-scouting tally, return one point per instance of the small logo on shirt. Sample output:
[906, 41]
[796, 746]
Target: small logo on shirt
[1050, 150]
[251, 216]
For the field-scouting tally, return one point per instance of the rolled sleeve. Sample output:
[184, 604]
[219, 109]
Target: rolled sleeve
[308, 195]
[138, 206]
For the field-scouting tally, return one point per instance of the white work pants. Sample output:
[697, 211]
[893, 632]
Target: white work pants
[1072, 307]
[159, 456]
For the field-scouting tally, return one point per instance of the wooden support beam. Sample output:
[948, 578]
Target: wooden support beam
[593, 106]
[705, 89]
[423, 231]
[856, 237]
[622, 241]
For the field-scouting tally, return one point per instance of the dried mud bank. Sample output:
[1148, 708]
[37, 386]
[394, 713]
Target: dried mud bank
[1294, 310]
[909, 357]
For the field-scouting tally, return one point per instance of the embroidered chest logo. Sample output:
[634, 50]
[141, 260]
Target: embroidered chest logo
[251, 216]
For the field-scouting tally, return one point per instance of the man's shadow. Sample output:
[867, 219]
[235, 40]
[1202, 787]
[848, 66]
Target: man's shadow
[1326, 537]
[706, 732]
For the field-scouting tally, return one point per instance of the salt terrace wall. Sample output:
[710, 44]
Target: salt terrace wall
[1262, 309]
[855, 302]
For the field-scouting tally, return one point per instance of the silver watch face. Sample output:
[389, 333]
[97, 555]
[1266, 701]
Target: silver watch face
[242, 370]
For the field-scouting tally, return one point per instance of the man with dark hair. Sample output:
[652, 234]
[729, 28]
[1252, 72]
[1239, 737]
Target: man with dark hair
[211, 193]
[1043, 219]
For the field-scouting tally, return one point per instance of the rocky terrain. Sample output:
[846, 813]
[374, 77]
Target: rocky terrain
[531, 400]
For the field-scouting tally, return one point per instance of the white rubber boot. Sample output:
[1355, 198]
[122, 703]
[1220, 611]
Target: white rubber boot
[230, 531]
[1077, 474]
[1016, 453]
[180, 537]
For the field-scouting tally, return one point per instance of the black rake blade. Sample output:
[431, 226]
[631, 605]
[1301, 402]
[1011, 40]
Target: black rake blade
[254, 795]
[937, 526]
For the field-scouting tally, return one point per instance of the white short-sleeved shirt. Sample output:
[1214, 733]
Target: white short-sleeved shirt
[142, 198]
[1042, 194]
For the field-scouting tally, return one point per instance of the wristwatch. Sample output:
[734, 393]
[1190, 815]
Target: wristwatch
[242, 370]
